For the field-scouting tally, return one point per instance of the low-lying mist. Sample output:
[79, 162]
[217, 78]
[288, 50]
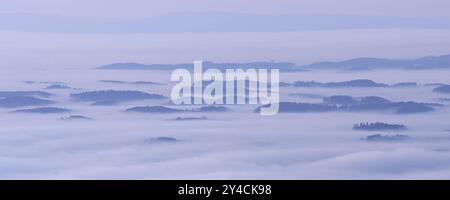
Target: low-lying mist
[107, 142]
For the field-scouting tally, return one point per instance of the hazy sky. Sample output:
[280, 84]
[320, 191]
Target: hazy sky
[145, 8]
[74, 33]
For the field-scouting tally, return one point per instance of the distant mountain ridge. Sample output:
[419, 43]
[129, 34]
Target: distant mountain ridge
[365, 63]
[428, 62]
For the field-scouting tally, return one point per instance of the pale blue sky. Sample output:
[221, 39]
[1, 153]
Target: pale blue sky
[144, 8]
[72, 33]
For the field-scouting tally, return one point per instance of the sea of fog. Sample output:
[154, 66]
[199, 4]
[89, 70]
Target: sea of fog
[238, 144]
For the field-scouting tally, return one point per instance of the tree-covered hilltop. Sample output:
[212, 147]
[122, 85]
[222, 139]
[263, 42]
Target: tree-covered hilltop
[6, 94]
[351, 83]
[114, 96]
[130, 82]
[378, 126]
[163, 109]
[57, 86]
[442, 89]
[386, 138]
[43, 110]
[22, 101]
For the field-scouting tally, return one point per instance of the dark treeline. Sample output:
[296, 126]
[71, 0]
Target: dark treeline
[378, 126]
